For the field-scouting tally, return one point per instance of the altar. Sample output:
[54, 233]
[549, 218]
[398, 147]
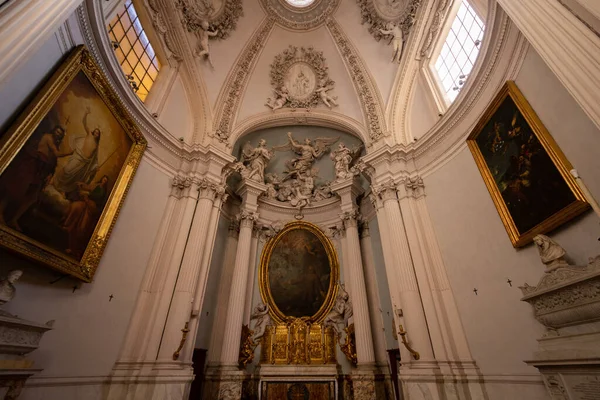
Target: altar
[298, 382]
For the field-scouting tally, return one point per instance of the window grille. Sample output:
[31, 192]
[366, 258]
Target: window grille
[134, 51]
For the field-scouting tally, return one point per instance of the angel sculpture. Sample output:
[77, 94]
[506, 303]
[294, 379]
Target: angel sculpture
[343, 161]
[397, 39]
[262, 318]
[341, 311]
[282, 96]
[325, 97]
[203, 34]
[308, 153]
[255, 160]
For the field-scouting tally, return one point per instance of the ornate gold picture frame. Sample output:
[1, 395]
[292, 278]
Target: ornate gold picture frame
[66, 164]
[299, 273]
[523, 168]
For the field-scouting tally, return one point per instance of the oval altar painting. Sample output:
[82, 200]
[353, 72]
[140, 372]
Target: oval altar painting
[299, 273]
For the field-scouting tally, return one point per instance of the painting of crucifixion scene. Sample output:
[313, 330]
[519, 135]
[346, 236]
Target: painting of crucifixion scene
[56, 187]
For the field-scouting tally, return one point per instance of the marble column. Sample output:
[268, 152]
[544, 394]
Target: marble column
[201, 282]
[571, 49]
[146, 328]
[377, 326]
[403, 273]
[181, 303]
[355, 277]
[216, 337]
[448, 339]
[230, 378]
[251, 273]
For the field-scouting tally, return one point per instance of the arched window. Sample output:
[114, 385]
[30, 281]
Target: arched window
[453, 58]
[133, 50]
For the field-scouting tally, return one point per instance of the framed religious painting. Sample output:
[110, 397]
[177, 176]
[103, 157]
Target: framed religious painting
[299, 273]
[66, 164]
[525, 171]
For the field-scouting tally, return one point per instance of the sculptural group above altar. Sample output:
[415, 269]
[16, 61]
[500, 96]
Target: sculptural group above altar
[297, 184]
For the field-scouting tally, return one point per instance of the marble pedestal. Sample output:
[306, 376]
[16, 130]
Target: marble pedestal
[18, 337]
[567, 301]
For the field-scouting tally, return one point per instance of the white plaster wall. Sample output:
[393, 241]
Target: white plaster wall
[90, 327]
[501, 329]
[376, 55]
[224, 53]
[176, 116]
[423, 113]
[259, 85]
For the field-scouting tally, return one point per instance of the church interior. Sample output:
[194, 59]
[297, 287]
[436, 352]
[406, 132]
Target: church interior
[299, 199]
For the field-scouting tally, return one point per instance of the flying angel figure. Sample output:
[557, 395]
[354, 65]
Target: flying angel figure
[325, 97]
[308, 153]
[282, 96]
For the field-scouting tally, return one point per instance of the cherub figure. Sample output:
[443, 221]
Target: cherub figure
[203, 34]
[325, 97]
[397, 39]
[282, 96]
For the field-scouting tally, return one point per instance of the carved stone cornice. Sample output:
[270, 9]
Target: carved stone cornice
[237, 80]
[300, 19]
[370, 98]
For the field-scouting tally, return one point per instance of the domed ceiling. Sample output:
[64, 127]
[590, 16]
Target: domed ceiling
[330, 60]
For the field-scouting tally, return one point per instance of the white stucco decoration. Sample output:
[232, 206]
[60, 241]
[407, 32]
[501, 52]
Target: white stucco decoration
[300, 79]
[300, 14]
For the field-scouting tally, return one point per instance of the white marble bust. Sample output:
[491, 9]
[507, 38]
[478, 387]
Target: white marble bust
[551, 253]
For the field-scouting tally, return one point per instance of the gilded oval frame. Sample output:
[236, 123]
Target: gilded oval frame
[263, 274]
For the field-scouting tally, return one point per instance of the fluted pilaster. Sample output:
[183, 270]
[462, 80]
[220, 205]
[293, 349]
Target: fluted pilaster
[403, 273]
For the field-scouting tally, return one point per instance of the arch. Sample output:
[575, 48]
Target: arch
[311, 118]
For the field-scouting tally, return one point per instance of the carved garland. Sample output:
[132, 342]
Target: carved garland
[435, 26]
[306, 55]
[376, 21]
[222, 21]
[237, 80]
[365, 88]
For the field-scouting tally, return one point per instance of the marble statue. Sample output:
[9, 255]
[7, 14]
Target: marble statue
[7, 288]
[262, 319]
[397, 39]
[282, 96]
[551, 253]
[344, 160]
[203, 34]
[325, 97]
[341, 312]
[255, 160]
[308, 153]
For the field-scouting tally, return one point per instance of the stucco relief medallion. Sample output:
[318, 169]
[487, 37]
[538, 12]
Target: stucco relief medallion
[300, 79]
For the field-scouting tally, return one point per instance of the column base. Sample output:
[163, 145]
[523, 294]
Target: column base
[150, 381]
[226, 383]
[368, 382]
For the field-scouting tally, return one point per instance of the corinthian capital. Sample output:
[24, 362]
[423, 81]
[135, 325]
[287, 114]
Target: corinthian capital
[208, 189]
[415, 187]
[350, 218]
[247, 218]
[386, 191]
[179, 184]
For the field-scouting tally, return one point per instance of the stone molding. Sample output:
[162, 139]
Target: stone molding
[301, 19]
[237, 80]
[439, 16]
[370, 98]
